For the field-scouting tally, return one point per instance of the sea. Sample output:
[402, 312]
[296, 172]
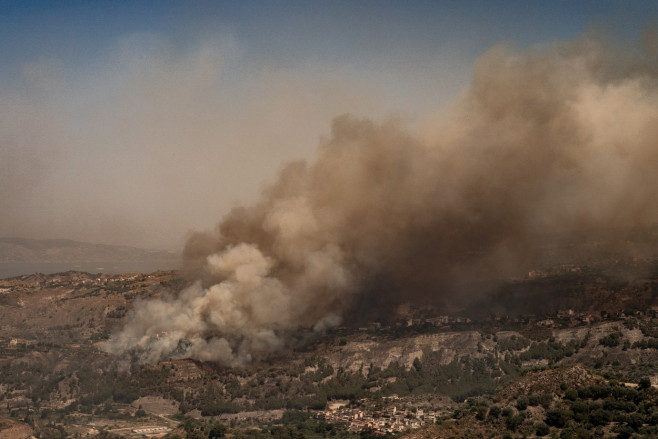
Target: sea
[13, 269]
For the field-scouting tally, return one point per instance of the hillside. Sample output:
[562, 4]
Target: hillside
[55, 377]
[562, 402]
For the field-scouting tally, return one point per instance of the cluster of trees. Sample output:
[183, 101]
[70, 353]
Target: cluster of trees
[199, 430]
[461, 378]
[632, 410]
[647, 343]
[611, 340]
[293, 425]
[550, 350]
[580, 413]
[117, 313]
[512, 343]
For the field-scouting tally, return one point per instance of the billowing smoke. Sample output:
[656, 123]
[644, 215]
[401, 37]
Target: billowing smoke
[559, 144]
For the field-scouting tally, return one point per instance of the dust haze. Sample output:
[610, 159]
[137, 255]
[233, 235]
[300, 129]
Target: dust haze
[151, 141]
[557, 143]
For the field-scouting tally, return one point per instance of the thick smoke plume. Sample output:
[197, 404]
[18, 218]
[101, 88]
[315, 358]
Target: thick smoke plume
[560, 144]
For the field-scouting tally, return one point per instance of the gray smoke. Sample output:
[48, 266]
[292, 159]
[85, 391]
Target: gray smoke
[543, 145]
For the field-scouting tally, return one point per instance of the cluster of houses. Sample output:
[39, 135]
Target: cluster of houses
[434, 321]
[573, 318]
[560, 318]
[416, 321]
[389, 420]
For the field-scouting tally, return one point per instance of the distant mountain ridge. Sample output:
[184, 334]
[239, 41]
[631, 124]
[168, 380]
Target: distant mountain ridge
[25, 250]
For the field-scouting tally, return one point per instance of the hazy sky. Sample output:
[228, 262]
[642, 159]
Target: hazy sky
[136, 122]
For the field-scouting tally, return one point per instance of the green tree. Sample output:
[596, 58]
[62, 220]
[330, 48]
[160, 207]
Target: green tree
[542, 429]
[494, 411]
[600, 417]
[557, 417]
[513, 422]
[522, 403]
[644, 383]
[217, 430]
